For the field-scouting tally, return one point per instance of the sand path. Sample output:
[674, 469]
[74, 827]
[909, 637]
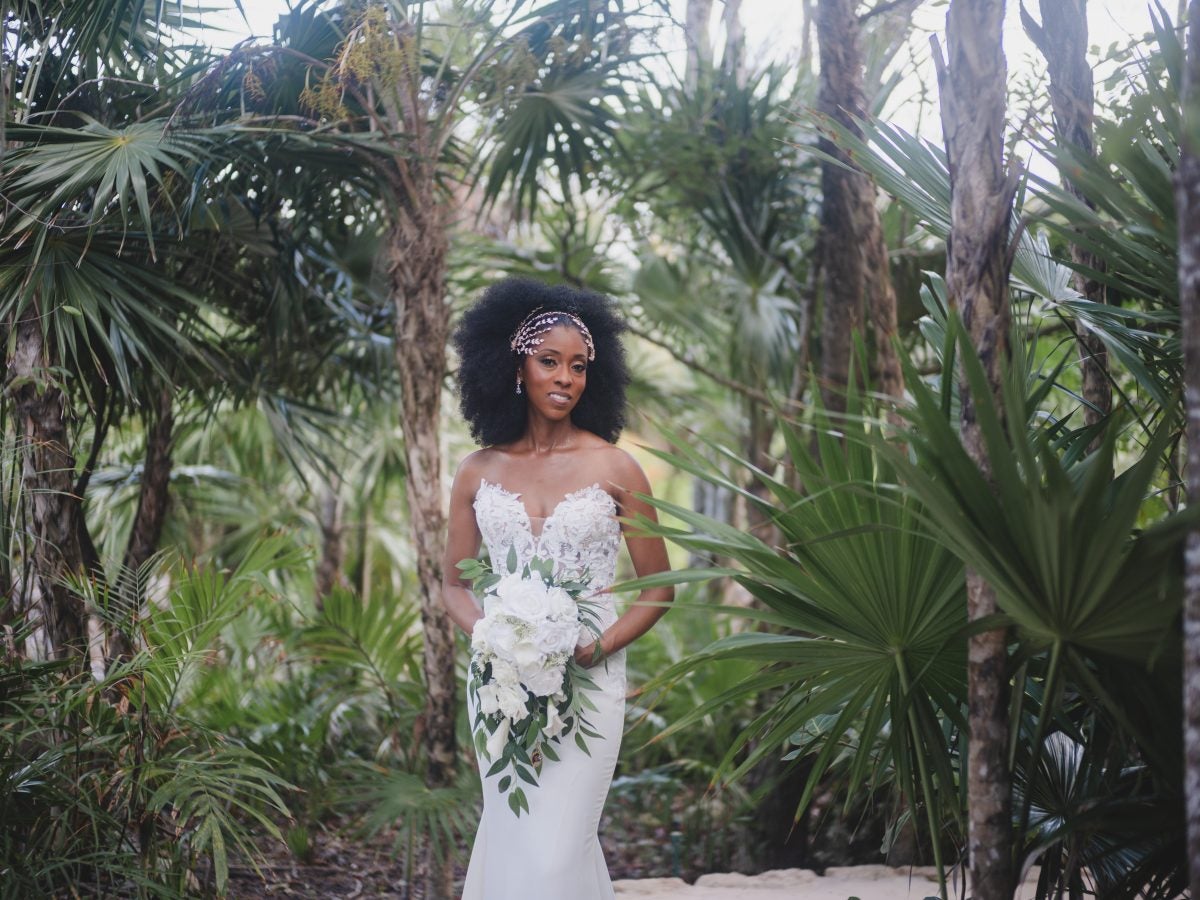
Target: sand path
[861, 882]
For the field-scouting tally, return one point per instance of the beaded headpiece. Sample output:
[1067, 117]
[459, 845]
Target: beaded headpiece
[528, 335]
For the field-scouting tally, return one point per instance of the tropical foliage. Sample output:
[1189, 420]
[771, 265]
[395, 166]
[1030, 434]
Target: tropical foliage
[217, 643]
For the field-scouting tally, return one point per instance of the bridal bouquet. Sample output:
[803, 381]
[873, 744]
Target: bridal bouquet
[529, 691]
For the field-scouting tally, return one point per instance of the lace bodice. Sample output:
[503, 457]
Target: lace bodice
[581, 536]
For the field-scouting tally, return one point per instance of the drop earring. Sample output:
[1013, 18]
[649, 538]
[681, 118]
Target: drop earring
[518, 382]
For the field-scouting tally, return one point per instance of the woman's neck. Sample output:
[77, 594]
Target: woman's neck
[543, 437]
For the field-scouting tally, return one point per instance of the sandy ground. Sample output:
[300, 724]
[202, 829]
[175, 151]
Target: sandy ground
[861, 882]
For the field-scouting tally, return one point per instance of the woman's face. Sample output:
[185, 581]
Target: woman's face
[556, 374]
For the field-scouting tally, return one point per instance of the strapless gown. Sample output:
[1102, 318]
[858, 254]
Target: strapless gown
[553, 852]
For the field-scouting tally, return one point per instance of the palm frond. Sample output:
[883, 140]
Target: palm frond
[873, 611]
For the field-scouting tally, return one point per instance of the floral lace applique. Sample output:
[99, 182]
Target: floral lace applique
[581, 535]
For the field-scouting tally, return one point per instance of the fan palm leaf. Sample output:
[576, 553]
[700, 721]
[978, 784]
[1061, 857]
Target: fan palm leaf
[1094, 596]
[872, 609]
[61, 176]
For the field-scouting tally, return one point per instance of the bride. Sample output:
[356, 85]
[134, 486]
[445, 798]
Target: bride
[542, 378]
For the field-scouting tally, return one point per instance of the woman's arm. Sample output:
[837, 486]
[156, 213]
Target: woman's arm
[649, 555]
[462, 540]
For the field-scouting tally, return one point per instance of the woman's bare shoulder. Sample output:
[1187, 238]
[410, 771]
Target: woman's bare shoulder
[619, 470]
[475, 465]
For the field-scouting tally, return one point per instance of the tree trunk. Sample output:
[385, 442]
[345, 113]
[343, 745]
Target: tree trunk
[1062, 39]
[418, 247]
[886, 375]
[153, 502]
[1187, 201]
[857, 284]
[806, 28]
[973, 110]
[759, 432]
[699, 44]
[52, 508]
[154, 496]
[733, 60]
[329, 568]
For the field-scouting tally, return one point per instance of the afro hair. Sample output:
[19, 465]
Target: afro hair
[487, 369]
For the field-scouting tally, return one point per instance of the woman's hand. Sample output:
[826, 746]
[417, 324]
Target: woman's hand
[590, 652]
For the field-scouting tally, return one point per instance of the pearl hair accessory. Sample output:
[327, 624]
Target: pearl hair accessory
[529, 333]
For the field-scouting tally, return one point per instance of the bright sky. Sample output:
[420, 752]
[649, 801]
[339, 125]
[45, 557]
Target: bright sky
[773, 31]
[774, 25]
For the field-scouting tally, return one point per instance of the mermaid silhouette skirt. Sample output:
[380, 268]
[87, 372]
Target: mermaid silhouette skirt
[552, 852]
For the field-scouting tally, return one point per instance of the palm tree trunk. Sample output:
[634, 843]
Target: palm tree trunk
[1187, 201]
[417, 251]
[154, 496]
[329, 516]
[973, 110]
[857, 284]
[759, 432]
[1062, 39]
[808, 8]
[699, 45]
[153, 502]
[52, 506]
[733, 60]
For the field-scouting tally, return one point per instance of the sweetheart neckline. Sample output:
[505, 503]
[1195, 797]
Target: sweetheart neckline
[570, 495]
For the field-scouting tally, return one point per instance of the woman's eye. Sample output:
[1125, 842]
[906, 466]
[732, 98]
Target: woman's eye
[547, 361]
[580, 369]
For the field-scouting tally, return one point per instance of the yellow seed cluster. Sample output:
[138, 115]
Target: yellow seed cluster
[253, 85]
[375, 52]
[324, 101]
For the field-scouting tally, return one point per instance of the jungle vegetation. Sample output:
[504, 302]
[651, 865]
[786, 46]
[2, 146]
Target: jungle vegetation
[923, 423]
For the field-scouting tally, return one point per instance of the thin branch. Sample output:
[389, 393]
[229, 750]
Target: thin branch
[100, 432]
[745, 390]
[884, 8]
[79, 87]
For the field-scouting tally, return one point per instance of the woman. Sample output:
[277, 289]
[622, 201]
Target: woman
[542, 378]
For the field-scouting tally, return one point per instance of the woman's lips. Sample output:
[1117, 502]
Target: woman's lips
[559, 398]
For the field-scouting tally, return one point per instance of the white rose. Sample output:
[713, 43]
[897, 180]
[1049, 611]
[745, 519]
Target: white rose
[526, 655]
[512, 702]
[558, 635]
[525, 598]
[560, 604]
[545, 681]
[496, 740]
[510, 591]
[489, 701]
[504, 673]
[585, 636]
[500, 635]
[481, 636]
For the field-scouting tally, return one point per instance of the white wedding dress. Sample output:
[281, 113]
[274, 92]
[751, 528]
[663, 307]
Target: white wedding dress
[552, 852]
